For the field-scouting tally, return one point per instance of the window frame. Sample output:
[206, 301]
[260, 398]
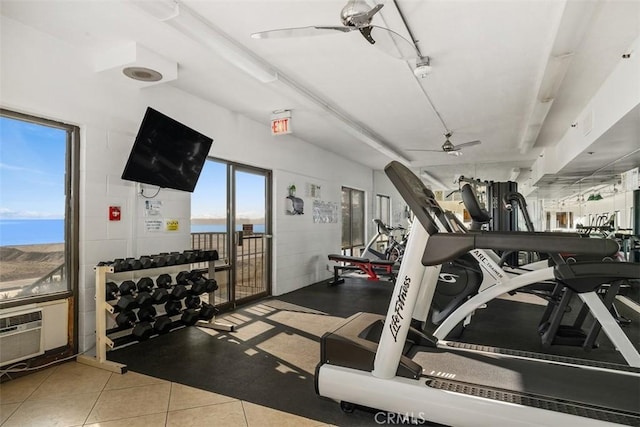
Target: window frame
[383, 214]
[72, 211]
[348, 250]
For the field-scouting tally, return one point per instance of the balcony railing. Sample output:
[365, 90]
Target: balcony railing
[53, 282]
[249, 263]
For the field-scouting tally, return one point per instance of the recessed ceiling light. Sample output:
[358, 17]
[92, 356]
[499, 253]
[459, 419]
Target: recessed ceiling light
[142, 74]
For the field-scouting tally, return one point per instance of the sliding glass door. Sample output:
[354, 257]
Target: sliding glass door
[231, 212]
[253, 241]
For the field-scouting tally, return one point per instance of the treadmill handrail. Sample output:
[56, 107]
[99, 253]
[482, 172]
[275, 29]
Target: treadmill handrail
[443, 247]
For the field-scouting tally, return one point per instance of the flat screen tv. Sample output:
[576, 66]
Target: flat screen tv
[166, 153]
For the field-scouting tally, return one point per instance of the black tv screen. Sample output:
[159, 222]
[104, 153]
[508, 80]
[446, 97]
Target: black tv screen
[166, 153]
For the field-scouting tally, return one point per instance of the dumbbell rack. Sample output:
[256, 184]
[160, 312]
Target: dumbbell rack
[103, 342]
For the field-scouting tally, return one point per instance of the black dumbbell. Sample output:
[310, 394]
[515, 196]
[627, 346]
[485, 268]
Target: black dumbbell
[142, 331]
[134, 264]
[173, 307]
[144, 299]
[126, 303]
[163, 324]
[207, 311]
[164, 281]
[178, 292]
[180, 258]
[211, 285]
[198, 286]
[158, 261]
[192, 301]
[145, 284]
[147, 314]
[169, 258]
[146, 262]
[210, 255]
[111, 291]
[183, 278]
[119, 264]
[189, 256]
[128, 287]
[160, 296]
[126, 319]
[190, 316]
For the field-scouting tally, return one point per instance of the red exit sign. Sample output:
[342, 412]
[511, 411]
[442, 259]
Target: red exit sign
[281, 126]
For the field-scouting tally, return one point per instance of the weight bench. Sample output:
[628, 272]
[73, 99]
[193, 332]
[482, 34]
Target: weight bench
[372, 268]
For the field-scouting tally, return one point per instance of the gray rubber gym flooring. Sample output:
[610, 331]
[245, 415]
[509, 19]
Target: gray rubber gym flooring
[271, 358]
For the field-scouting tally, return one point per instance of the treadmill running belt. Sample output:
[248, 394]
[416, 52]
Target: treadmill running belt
[618, 392]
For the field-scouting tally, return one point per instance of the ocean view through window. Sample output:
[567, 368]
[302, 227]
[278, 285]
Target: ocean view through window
[37, 230]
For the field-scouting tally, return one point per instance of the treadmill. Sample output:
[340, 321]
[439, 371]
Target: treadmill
[381, 362]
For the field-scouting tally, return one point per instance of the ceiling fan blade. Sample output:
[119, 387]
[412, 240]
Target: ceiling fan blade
[467, 144]
[374, 10]
[425, 150]
[392, 43]
[314, 30]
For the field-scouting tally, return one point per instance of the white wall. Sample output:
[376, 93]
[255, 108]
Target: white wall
[49, 78]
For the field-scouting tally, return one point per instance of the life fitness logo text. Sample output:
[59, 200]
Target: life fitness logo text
[397, 317]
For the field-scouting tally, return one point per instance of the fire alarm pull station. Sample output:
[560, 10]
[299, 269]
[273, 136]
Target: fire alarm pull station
[114, 213]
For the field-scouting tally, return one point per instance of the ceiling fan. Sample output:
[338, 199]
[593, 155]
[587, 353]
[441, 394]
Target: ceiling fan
[356, 15]
[448, 147]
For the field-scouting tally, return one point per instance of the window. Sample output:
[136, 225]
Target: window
[383, 209]
[38, 208]
[352, 220]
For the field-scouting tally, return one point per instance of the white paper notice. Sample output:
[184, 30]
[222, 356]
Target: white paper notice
[153, 225]
[152, 207]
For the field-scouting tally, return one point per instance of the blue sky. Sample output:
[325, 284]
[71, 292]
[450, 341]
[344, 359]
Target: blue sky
[32, 162]
[209, 199]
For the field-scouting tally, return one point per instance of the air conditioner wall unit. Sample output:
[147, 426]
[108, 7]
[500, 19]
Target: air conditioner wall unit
[21, 336]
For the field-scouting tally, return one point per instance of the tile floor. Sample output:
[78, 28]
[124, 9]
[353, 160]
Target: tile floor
[73, 394]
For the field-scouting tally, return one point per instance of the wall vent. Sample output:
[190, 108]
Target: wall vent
[20, 336]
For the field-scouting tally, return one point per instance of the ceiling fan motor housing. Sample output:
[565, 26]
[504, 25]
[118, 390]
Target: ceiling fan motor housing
[354, 14]
[448, 146]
